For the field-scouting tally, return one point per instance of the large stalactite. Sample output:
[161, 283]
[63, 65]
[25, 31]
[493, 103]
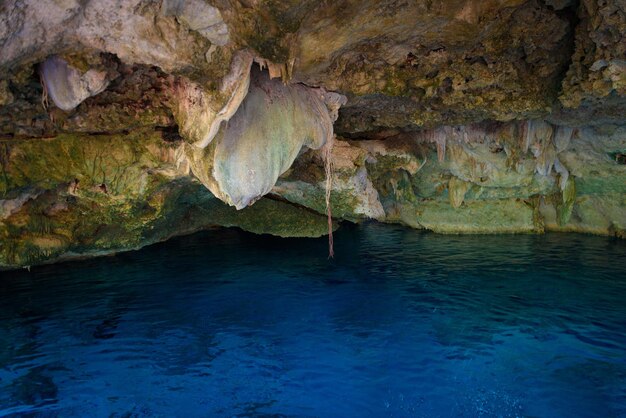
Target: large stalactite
[273, 124]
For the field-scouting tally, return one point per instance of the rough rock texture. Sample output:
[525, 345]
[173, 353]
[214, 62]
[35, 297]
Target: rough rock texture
[66, 86]
[123, 122]
[438, 62]
[263, 138]
[598, 68]
[487, 179]
[76, 195]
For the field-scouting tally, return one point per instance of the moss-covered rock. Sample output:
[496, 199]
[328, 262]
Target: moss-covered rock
[463, 116]
[76, 195]
[491, 178]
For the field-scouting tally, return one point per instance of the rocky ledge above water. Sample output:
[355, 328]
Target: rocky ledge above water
[123, 123]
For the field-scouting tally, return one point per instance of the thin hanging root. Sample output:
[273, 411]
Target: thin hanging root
[44, 94]
[44, 98]
[328, 169]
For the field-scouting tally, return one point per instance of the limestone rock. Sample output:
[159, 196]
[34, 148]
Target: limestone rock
[199, 16]
[80, 195]
[456, 116]
[66, 86]
[263, 138]
[200, 113]
[595, 80]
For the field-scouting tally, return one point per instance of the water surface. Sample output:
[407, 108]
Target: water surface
[401, 323]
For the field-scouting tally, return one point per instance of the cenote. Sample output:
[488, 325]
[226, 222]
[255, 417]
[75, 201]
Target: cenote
[172, 173]
[400, 323]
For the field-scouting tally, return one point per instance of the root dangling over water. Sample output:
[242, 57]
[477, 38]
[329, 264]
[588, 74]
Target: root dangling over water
[327, 155]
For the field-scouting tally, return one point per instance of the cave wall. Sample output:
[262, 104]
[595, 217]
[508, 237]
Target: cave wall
[124, 122]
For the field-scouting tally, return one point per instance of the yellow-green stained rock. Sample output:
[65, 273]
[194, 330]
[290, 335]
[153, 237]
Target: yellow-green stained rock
[473, 179]
[567, 205]
[462, 116]
[79, 195]
[476, 217]
[457, 189]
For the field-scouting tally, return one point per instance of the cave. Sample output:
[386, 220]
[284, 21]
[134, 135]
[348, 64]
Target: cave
[310, 208]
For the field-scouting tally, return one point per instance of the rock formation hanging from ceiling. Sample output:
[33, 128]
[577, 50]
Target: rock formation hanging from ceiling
[124, 122]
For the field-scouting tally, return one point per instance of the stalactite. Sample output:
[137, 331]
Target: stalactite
[236, 85]
[526, 136]
[536, 132]
[568, 199]
[44, 94]
[545, 154]
[282, 71]
[562, 137]
[538, 139]
[563, 173]
[470, 133]
[263, 138]
[439, 137]
[456, 191]
[67, 86]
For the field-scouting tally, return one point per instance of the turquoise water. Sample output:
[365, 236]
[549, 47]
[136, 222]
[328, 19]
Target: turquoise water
[401, 323]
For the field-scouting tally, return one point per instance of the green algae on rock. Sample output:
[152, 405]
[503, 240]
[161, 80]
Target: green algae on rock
[462, 116]
[77, 195]
[487, 180]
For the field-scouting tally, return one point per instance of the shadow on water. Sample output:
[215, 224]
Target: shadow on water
[400, 323]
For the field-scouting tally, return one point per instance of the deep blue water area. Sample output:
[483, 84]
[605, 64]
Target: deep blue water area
[401, 323]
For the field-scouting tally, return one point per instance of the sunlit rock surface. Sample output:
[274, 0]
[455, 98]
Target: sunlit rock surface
[125, 122]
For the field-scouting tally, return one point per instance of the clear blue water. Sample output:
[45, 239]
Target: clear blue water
[401, 323]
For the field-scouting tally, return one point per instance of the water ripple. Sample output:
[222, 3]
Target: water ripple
[400, 323]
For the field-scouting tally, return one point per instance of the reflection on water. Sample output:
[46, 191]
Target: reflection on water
[401, 323]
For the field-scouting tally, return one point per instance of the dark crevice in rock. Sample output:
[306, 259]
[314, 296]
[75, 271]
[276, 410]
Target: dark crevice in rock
[170, 133]
[618, 157]
[569, 14]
